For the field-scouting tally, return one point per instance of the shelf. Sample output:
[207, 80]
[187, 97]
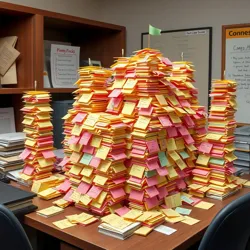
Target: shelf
[9, 91]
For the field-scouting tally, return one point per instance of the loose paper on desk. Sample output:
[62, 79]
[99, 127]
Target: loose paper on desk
[64, 65]
[165, 230]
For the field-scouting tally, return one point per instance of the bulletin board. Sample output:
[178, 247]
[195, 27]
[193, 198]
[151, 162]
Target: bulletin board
[196, 45]
[236, 65]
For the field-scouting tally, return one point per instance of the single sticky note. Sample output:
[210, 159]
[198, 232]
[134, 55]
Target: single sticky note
[152, 146]
[162, 100]
[151, 202]
[163, 159]
[137, 171]
[101, 180]
[170, 213]
[94, 192]
[91, 120]
[152, 191]
[172, 132]
[95, 162]
[152, 181]
[83, 188]
[171, 146]
[136, 195]
[204, 205]
[203, 159]
[102, 152]
[85, 97]
[165, 230]
[117, 193]
[144, 102]
[62, 224]
[205, 147]
[115, 93]
[85, 138]
[86, 158]
[143, 231]
[96, 141]
[122, 211]
[183, 211]
[189, 220]
[128, 108]
[142, 122]
[173, 200]
[26, 152]
[130, 84]
[165, 121]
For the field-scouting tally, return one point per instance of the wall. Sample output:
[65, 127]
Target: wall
[172, 14]
[82, 8]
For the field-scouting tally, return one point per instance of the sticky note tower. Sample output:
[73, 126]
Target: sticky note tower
[161, 146]
[38, 153]
[213, 175]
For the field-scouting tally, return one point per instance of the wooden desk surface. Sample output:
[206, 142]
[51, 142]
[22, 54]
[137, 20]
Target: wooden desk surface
[88, 237]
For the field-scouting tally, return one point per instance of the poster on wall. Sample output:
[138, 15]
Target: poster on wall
[236, 65]
[64, 65]
[196, 46]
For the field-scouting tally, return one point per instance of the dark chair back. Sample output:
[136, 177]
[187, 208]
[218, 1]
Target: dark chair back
[12, 234]
[230, 229]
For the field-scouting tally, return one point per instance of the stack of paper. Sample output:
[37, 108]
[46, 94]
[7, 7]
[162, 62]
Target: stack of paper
[117, 227]
[216, 154]
[11, 145]
[38, 154]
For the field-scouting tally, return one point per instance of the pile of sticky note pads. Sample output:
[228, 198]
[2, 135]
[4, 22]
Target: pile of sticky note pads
[38, 154]
[213, 175]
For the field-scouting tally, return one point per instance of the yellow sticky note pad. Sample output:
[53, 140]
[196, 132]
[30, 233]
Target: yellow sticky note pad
[204, 205]
[130, 83]
[144, 102]
[143, 231]
[62, 224]
[173, 200]
[96, 141]
[162, 100]
[171, 146]
[137, 171]
[128, 108]
[91, 120]
[101, 180]
[203, 159]
[85, 98]
[102, 152]
[142, 122]
[189, 220]
[170, 213]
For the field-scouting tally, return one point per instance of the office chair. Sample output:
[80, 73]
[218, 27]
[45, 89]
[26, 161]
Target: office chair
[230, 229]
[12, 234]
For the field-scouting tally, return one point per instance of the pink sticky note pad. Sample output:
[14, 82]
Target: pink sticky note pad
[166, 61]
[172, 132]
[146, 111]
[122, 210]
[165, 121]
[65, 186]
[152, 191]
[79, 118]
[68, 194]
[74, 139]
[188, 139]
[26, 152]
[135, 179]
[83, 188]
[88, 149]
[162, 171]
[201, 131]
[162, 192]
[136, 195]
[119, 180]
[117, 193]
[181, 184]
[152, 202]
[118, 156]
[64, 161]
[130, 75]
[94, 192]
[28, 170]
[115, 93]
[85, 138]
[153, 146]
[184, 103]
[188, 120]
[205, 147]
[48, 154]
[153, 164]
[95, 162]
[152, 181]
[183, 130]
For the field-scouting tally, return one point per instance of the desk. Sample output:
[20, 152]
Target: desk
[88, 238]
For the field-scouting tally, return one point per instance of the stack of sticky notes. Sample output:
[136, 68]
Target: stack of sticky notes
[50, 211]
[38, 154]
[49, 194]
[100, 164]
[162, 146]
[150, 219]
[117, 227]
[91, 97]
[213, 175]
[195, 119]
[221, 128]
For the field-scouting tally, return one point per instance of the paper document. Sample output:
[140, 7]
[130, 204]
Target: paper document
[64, 65]
[7, 120]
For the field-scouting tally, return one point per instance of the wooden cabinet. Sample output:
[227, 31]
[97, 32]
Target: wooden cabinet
[97, 40]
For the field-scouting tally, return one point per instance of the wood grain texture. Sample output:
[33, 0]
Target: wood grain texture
[88, 238]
